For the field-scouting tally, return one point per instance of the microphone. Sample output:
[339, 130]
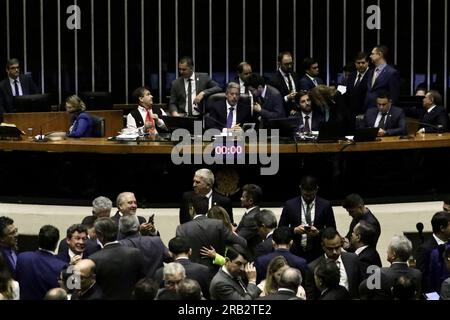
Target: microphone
[44, 138]
[419, 227]
[439, 127]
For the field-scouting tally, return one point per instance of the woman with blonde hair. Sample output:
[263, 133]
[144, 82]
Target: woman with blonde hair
[81, 122]
[9, 288]
[274, 270]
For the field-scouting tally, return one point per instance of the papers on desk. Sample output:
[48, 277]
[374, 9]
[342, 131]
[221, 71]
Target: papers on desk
[342, 89]
[127, 137]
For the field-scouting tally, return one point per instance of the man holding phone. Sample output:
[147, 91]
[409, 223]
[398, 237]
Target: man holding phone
[307, 215]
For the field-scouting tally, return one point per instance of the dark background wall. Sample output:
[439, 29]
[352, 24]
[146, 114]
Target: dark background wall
[123, 44]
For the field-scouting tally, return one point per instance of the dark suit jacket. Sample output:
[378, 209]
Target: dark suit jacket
[387, 278]
[117, 270]
[218, 112]
[437, 116]
[224, 287]
[6, 95]
[388, 79]
[37, 272]
[317, 120]
[203, 231]
[93, 293]
[195, 271]
[264, 247]
[339, 114]
[339, 293]
[63, 250]
[291, 217]
[395, 123]
[422, 257]
[217, 200]
[248, 230]
[262, 262]
[272, 107]
[6, 253]
[306, 84]
[278, 82]
[354, 276]
[153, 249]
[178, 92]
[369, 257]
[355, 96]
[369, 218]
[281, 295]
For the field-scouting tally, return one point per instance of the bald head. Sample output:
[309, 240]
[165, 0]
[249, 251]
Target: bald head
[85, 269]
[56, 294]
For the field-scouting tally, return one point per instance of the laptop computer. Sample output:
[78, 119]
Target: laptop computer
[366, 134]
[330, 132]
[173, 123]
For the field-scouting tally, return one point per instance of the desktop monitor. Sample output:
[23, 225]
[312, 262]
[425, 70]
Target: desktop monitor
[330, 132]
[174, 123]
[100, 100]
[32, 103]
[287, 126]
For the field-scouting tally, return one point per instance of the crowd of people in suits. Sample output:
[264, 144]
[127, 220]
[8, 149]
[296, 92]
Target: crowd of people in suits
[301, 256]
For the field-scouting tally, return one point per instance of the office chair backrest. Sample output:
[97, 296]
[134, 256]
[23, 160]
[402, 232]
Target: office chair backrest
[98, 129]
[99, 100]
[243, 99]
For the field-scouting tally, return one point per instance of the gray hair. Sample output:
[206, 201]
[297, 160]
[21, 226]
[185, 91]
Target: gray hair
[101, 204]
[401, 246]
[206, 175]
[128, 224]
[266, 218]
[121, 196]
[233, 85]
[291, 278]
[174, 268]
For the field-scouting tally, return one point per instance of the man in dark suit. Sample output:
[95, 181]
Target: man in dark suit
[229, 113]
[286, 80]
[180, 250]
[378, 286]
[78, 245]
[268, 103]
[435, 117]
[311, 78]
[347, 263]
[152, 247]
[266, 221]
[118, 267]
[288, 284]
[362, 240]
[229, 282]
[355, 207]
[307, 215]
[127, 205]
[247, 227]
[357, 84]
[203, 182]
[327, 278]
[310, 119]
[14, 85]
[199, 84]
[88, 289]
[205, 232]
[38, 271]
[383, 78]
[244, 69]
[389, 119]
[8, 243]
[282, 239]
[440, 223]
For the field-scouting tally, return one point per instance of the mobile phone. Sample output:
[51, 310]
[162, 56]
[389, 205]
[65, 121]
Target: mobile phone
[307, 228]
[151, 219]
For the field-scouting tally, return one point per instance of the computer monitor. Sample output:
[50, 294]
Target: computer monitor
[286, 126]
[330, 132]
[173, 123]
[100, 100]
[32, 103]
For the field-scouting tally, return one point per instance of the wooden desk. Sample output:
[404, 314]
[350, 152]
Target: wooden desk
[60, 121]
[102, 145]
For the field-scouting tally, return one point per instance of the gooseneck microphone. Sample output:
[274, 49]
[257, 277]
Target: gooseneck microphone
[207, 116]
[419, 227]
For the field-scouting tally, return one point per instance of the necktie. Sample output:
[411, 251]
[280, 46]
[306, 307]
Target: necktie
[230, 117]
[241, 283]
[382, 121]
[306, 124]
[375, 75]
[16, 88]
[288, 77]
[315, 81]
[358, 80]
[308, 214]
[189, 96]
[150, 123]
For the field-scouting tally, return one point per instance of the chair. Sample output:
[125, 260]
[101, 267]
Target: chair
[243, 99]
[98, 128]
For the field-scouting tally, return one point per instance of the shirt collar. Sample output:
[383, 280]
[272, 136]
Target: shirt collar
[431, 108]
[439, 241]
[209, 194]
[48, 251]
[229, 105]
[109, 243]
[263, 94]
[11, 80]
[360, 249]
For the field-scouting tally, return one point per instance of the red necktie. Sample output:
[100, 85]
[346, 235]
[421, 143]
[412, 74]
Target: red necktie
[149, 120]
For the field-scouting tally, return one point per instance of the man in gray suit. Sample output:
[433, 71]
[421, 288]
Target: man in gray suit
[205, 232]
[228, 283]
[199, 85]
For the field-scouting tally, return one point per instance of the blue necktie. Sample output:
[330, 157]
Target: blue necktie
[230, 117]
[16, 88]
